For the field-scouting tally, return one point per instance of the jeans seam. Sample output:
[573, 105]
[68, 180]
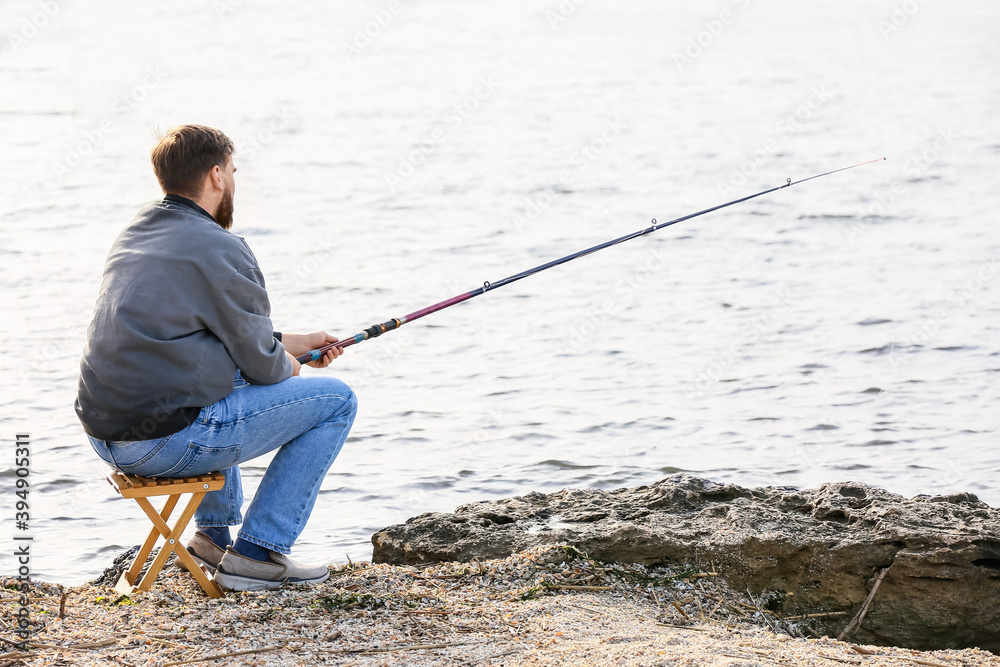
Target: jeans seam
[302, 508]
[185, 462]
[235, 509]
[318, 479]
[160, 445]
[329, 410]
[277, 406]
[217, 524]
[263, 543]
[298, 522]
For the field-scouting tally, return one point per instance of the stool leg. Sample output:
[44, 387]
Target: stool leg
[173, 537]
[158, 529]
[163, 528]
[208, 585]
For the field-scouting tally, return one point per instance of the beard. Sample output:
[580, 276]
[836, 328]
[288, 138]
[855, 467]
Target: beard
[224, 216]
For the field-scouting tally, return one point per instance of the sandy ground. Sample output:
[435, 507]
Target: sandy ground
[549, 606]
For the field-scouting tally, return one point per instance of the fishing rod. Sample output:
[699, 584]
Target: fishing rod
[377, 330]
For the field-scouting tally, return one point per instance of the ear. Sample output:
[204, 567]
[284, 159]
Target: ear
[215, 176]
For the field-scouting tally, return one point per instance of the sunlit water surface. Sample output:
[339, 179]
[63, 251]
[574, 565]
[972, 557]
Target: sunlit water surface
[846, 328]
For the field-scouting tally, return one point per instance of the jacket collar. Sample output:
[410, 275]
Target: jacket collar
[184, 201]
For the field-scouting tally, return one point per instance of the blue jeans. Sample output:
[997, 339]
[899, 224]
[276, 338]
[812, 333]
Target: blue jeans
[305, 418]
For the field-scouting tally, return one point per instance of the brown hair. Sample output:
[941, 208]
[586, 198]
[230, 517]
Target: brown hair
[184, 154]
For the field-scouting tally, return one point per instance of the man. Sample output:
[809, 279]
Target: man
[182, 311]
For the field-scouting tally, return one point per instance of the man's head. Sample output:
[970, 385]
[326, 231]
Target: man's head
[196, 162]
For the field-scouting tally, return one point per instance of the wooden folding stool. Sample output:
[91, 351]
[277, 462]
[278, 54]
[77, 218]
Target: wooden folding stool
[141, 489]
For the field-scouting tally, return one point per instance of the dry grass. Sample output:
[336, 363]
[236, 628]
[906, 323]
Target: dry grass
[548, 606]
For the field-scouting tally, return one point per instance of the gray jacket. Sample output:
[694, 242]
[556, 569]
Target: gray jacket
[182, 305]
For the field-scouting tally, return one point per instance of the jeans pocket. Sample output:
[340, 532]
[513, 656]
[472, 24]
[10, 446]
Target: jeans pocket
[130, 456]
[200, 459]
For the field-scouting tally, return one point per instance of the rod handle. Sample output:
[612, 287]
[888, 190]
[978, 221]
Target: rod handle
[311, 355]
[373, 331]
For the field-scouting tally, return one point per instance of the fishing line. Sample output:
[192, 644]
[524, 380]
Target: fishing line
[377, 330]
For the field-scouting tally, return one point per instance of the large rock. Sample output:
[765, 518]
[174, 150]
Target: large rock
[820, 550]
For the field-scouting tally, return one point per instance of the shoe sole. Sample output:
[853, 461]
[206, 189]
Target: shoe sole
[237, 583]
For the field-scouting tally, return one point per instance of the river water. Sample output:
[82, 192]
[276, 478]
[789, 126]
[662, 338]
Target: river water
[393, 154]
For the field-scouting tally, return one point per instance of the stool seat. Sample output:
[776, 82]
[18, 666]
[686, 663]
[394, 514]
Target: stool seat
[141, 489]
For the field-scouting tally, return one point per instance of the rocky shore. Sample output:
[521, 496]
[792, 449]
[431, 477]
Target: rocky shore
[711, 600]
[922, 573]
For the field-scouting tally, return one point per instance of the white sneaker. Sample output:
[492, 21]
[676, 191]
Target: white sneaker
[239, 573]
